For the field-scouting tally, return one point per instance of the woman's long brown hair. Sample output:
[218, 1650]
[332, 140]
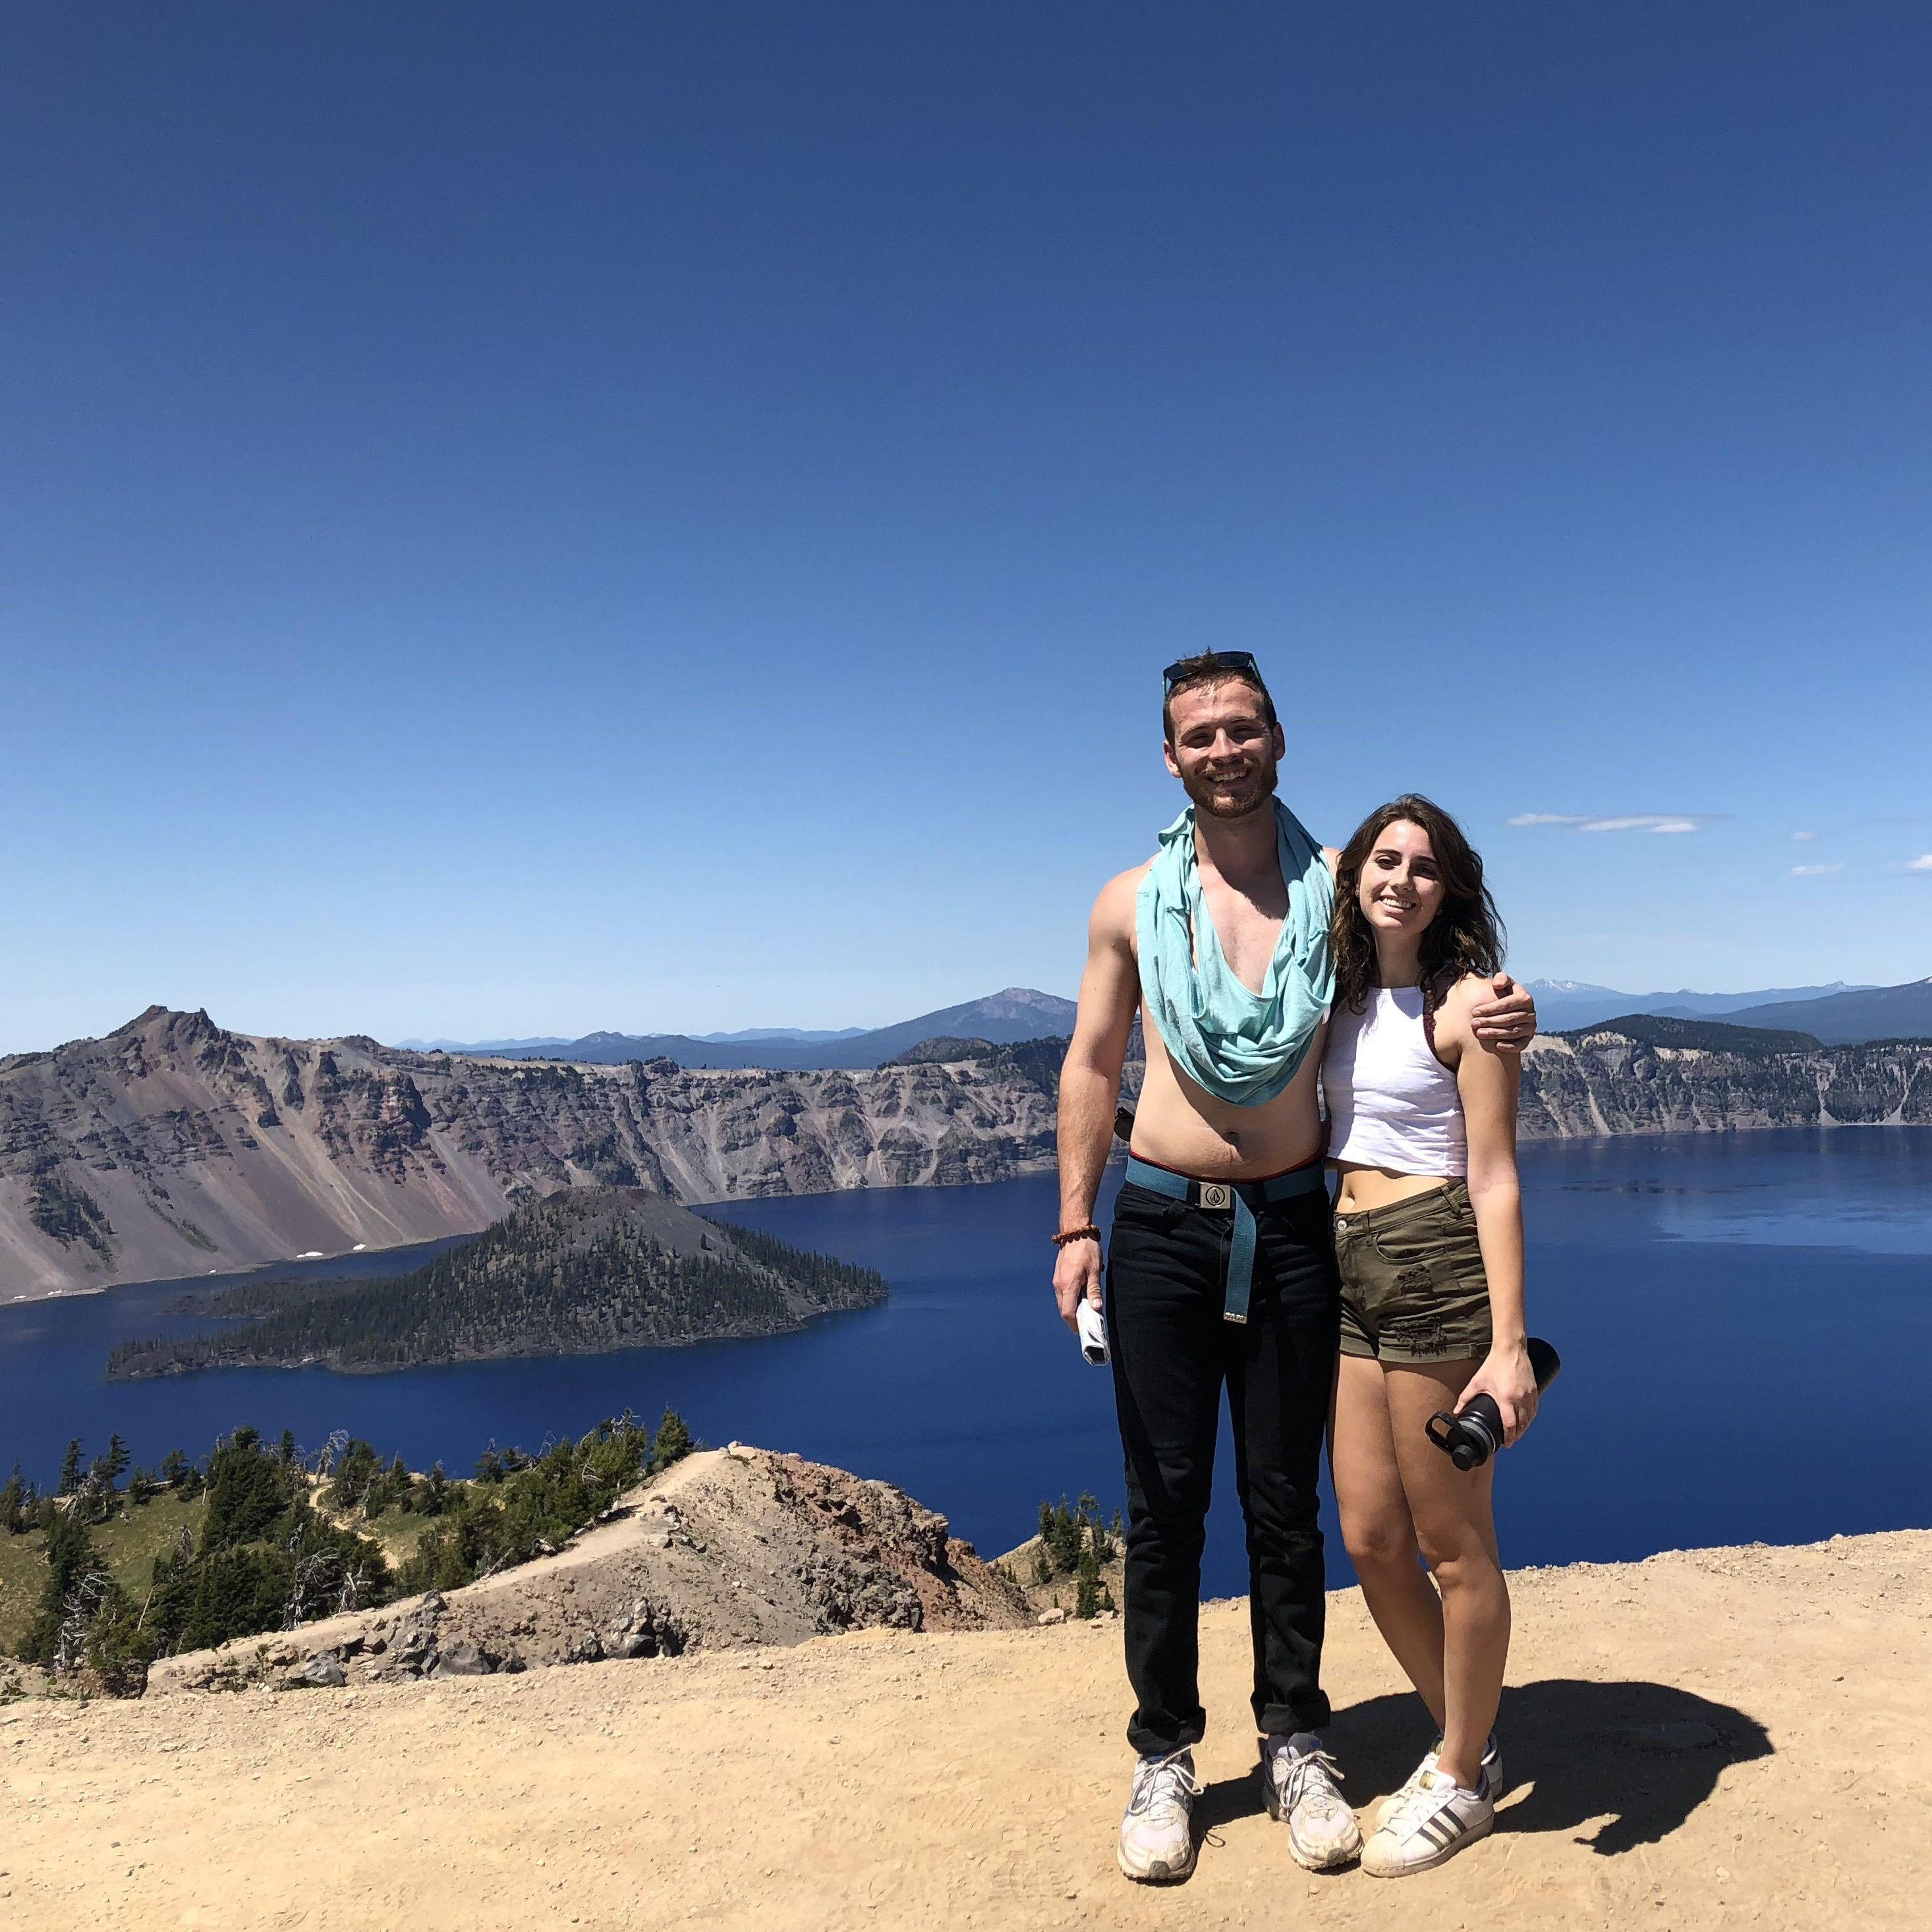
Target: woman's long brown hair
[1466, 937]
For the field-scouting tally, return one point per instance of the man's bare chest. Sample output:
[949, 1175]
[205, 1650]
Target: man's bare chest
[1248, 929]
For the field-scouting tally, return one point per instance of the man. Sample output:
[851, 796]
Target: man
[1222, 1267]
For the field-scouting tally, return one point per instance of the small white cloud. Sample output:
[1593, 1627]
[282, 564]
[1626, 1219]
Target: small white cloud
[1634, 821]
[1812, 871]
[1923, 863]
[1803, 835]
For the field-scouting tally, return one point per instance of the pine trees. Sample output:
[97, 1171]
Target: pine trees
[19, 1502]
[105, 1471]
[673, 1442]
[523, 1508]
[83, 1618]
[355, 1474]
[1075, 1542]
[265, 1559]
[1086, 1589]
[246, 1490]
[92, 1488]
[429, 1495]
[1066, 1538]
[182, 1477]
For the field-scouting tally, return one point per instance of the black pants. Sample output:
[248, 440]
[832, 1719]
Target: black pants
[1172, 1350]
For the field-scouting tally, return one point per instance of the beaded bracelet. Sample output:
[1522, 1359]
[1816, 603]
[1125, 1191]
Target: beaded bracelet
[1089, 1233]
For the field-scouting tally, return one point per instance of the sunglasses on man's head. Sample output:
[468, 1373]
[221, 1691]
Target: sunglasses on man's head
[1206, 662]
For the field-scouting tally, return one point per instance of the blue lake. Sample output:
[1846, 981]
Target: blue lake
[1745, 1321]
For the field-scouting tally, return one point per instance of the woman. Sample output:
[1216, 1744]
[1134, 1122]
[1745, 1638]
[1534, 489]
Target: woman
[1428, 1237]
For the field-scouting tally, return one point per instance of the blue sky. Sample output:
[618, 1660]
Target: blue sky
[524, 520]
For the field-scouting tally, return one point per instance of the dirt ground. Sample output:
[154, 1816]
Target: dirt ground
[1711, 1738]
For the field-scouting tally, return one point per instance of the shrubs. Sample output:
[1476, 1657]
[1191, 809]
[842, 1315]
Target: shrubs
[518, 1508]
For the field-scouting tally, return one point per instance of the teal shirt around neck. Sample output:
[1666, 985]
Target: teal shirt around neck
[1243, 1048]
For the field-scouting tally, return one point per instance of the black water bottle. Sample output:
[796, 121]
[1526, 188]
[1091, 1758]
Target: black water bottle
[1474, 1432]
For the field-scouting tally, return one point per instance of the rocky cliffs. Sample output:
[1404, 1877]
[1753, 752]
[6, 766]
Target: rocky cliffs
[173, 1147]
[1611, 1081]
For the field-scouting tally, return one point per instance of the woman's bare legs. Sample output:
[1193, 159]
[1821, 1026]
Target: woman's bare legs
[1378, 1530]
[1398, 1493]
[1457, 1534]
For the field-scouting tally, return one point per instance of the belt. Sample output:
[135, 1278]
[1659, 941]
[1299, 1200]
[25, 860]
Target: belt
[1240, 1197]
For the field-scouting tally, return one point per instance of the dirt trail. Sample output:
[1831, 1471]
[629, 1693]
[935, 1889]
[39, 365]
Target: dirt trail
[1711, 1738]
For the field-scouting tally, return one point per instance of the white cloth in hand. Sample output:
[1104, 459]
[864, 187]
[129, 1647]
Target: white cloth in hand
[1092, 1327]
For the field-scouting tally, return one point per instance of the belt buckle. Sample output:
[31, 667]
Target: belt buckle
[1215, 1194]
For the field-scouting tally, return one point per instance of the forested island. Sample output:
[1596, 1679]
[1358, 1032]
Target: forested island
[582, 1272]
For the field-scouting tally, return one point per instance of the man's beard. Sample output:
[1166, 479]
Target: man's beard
[1253, 796]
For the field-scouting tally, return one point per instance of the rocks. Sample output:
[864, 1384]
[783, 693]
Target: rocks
[323, 1672]
[464, 1660]
[23, 1680]
[850, 1594]
[651, 1629]
[1051, 1617]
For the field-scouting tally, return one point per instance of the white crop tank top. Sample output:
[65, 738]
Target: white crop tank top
[1391, 1103]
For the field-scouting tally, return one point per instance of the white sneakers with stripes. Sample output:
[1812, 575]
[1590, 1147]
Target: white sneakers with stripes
[1491, 1769]
[1426, 1823]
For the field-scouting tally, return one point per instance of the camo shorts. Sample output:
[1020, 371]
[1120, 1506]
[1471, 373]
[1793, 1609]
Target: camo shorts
[1413, 1287]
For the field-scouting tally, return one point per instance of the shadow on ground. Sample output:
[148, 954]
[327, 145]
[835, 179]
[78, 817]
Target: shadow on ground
[1640, 1757]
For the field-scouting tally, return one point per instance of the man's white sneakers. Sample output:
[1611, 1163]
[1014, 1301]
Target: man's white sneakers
[1298, 1785]
[1156, 1844]
[1432, 1819]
